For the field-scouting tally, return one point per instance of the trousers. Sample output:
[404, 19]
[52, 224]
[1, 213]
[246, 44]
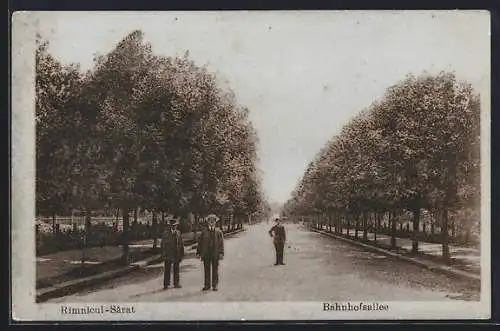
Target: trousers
[279, 247]
[168, 269]
[211, 267]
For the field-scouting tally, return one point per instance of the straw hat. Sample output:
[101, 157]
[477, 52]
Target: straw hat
[212, 218]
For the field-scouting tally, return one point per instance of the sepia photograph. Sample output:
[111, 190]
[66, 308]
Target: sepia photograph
[250, 165]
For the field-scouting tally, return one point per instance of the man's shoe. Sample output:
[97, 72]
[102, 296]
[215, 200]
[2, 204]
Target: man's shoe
[178, 286]
[276, 263]
[282, 263]
[214, 288]
[205, 288]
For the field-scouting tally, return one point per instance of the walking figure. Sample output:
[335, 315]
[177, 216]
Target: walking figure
[279, 238]
[172, 248]
[211, 250]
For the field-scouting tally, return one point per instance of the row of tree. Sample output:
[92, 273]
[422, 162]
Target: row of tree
[141, 131]
[416, 149]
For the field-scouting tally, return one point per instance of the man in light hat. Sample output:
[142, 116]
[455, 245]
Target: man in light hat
[211, 250]
[172, 248]
[279, 237]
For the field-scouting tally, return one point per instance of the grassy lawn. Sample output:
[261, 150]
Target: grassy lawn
[64, 266]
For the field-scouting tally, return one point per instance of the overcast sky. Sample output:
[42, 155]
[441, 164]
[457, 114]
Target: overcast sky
[303, 75]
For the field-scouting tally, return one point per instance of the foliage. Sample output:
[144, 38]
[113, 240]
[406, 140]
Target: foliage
[416, 148]
[141, 130]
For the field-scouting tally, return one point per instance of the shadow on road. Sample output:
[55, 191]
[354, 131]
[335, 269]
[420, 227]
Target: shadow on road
[159, 290]
[170, 296]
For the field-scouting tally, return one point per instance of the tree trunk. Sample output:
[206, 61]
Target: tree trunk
[348, 224]
[117, 220]
[365, 226]
[444, 236]
[337, 220]
[329, 222]
[376, 225]
[467, 236]
[392, 220]
[356, 226]
[154, 229]
[162, 227]
[416, 226]
[135, 216]
[85, 235]
[195, 225]
[54, 230]
[125, 236]
[88, 220]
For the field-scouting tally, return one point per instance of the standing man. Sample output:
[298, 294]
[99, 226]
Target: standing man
[211, 250]
[172, 248]
[279, 238]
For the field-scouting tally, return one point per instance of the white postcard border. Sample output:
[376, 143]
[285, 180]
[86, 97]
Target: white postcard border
[23, 292]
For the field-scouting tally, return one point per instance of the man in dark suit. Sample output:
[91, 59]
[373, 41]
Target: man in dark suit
[172, 248]
[211, 250]
[279, 238]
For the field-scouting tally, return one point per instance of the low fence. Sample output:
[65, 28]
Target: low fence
[68, 238]
[427, 232]
[69, 233]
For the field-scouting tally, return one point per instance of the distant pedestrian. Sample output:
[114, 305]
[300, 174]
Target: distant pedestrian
[279, 237]
[211, 250]
[172, 248]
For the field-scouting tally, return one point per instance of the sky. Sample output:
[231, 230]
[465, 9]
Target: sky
[302, 75]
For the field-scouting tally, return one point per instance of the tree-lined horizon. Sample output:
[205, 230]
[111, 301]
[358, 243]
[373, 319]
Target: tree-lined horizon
[141, 131]
[414, 151]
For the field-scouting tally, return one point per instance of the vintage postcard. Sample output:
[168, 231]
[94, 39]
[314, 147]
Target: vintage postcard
[258, 165]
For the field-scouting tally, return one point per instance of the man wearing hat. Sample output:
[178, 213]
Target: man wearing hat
[279, 238]
[211, 250]
[173, 251]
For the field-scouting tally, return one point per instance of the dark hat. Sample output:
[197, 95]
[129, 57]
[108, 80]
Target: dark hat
[172, 221]
[277, 219]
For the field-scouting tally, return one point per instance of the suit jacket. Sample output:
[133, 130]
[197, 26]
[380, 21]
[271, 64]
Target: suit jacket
[210, 244]
[279, 234]
[172, 246]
